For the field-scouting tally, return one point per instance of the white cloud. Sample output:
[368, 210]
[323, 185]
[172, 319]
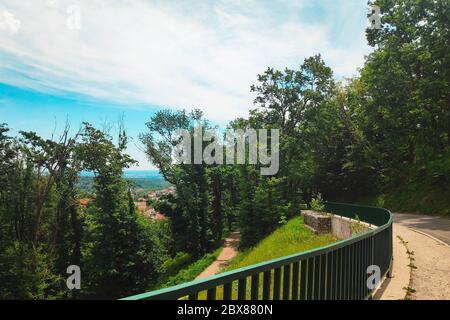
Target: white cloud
[175, 54]
[8, 22]
[53, 4]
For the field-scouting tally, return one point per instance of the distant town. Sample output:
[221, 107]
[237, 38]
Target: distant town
[143, 204]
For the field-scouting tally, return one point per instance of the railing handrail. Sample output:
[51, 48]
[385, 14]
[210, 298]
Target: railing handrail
[188, 288]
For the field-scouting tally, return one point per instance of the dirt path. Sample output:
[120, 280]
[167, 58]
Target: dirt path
[426, 238]
[228, 252]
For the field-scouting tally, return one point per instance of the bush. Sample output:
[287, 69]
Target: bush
[317, 203]
[193, 270]
[173, 265]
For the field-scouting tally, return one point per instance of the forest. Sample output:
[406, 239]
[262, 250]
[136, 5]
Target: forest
[382, 137]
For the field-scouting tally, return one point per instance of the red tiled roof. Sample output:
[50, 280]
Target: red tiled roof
[84, 202]
[159, 216]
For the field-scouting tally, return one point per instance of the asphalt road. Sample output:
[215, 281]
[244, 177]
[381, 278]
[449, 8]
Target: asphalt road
[436, 226]
[431, 259]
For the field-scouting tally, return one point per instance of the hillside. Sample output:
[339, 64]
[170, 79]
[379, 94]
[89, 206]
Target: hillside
[141, 180]
[293, 237]
[412, 197]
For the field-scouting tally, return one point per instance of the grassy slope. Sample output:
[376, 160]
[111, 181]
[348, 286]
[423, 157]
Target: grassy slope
[291, 238]
[192, 271]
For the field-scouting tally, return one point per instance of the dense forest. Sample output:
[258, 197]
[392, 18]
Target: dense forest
[383, 136]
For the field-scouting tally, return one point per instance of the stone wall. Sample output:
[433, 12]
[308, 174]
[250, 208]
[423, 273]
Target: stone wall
[338, 226]
[319, 222]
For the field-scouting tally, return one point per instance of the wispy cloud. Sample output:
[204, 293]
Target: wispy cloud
[8, 22]
[174, 53]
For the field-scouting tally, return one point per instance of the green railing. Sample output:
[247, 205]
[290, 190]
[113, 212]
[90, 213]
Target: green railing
[336, 271]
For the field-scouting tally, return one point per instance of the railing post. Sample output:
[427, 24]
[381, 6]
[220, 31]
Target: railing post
[211, 294]
[266, 285]
[227, 291]
[254, 287]
[390, 229]
[310, 281]
[303, 279]
[242, 289]
[286, 282]
[277, 284]
[295, 278]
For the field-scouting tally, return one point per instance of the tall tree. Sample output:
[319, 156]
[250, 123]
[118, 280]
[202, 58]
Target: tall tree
[120, 261]
[191, 221]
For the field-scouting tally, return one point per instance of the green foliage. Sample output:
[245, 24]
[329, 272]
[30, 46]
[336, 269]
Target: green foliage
[413, 197]
[197, 210]
[264, 211]
[173, 265]
[31, 205]
[27, 273]
[121, 255]
[291, 238]
[43, 230]
[193, 270]
[317, 203]
[382, 137]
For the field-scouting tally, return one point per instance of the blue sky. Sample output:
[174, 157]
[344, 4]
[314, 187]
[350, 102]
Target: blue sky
[131, 58]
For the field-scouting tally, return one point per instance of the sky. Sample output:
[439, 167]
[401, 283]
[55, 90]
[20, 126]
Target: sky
[103, 60]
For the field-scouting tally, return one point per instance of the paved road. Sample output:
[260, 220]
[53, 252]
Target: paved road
[430, 275]
[436, 226]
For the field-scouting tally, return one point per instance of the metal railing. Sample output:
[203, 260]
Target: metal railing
[335, 271]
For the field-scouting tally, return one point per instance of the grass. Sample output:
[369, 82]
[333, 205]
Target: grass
[293, 237]
[192, 271]
[409, 289]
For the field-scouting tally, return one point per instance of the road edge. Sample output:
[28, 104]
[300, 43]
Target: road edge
[395, 287]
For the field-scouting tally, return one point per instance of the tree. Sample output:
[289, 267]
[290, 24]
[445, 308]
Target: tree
[191, 221]
[407, 78]
[120, 260]
[31, 166]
